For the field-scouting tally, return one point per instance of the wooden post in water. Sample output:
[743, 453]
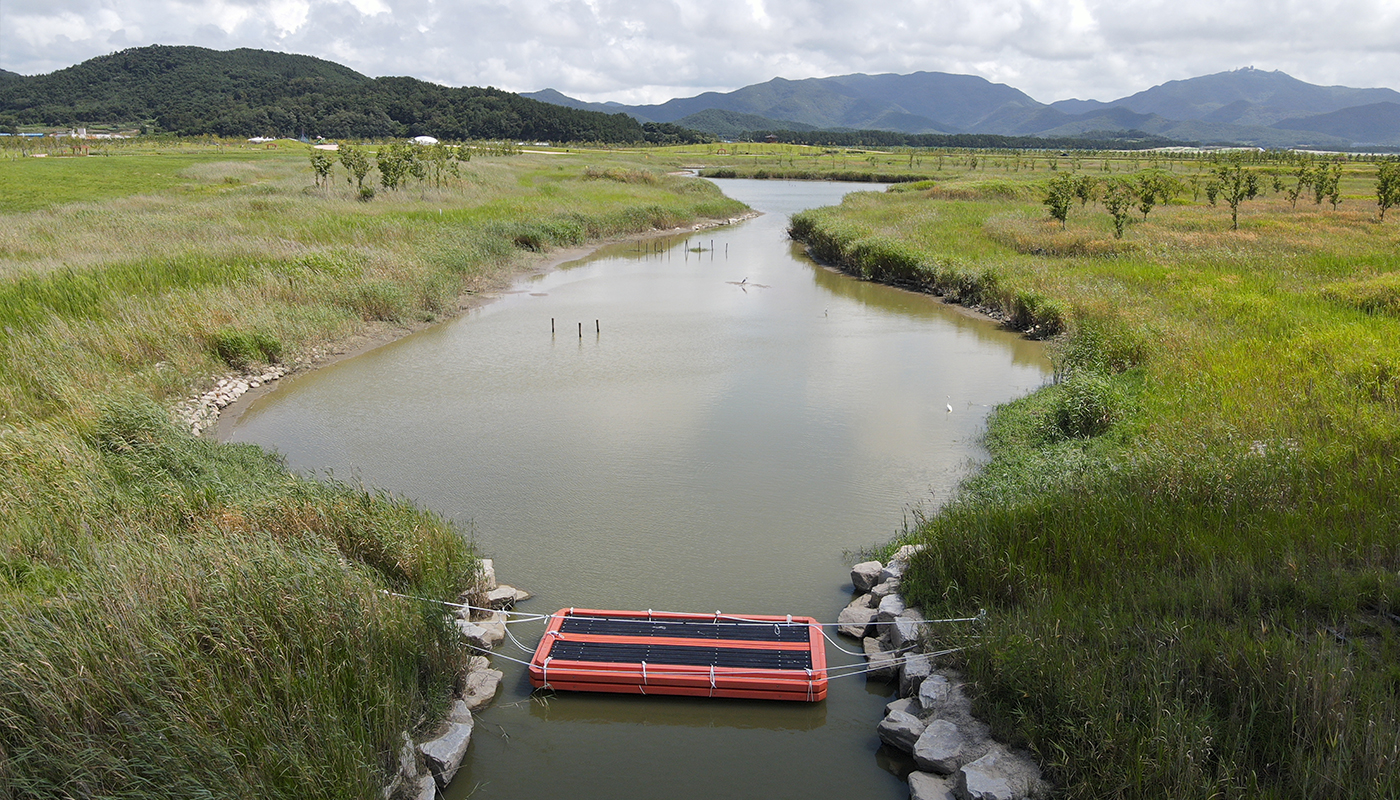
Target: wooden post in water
[597, 326]
[551, 326]
[580, 330]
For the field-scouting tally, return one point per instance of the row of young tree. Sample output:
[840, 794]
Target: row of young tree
[1230, 182]
[433, 165]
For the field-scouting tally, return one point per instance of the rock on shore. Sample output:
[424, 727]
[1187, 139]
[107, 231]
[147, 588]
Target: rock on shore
[202, 413]
[955, 756]
[428, 766]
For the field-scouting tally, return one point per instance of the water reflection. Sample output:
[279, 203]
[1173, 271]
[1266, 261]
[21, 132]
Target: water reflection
[691, 712]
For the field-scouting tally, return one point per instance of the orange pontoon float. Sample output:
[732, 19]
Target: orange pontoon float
[701, 655]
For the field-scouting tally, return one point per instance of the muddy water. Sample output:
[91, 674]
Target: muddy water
[735, 422]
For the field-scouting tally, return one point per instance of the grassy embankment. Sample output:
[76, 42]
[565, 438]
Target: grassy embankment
[183, 618]
[1189, 545]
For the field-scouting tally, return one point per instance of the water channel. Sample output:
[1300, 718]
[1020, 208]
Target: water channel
[734, 424]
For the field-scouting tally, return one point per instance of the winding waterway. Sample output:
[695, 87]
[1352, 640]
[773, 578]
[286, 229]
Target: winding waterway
[736, 422]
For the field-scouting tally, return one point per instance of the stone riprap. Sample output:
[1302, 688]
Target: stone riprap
[202, 413]
[932, 719]
[429, 766]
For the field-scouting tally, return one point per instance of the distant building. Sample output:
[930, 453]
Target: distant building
[424, 140]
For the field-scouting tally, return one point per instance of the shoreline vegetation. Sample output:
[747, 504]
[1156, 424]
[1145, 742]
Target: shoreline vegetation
[1188, 545]
[184, 617]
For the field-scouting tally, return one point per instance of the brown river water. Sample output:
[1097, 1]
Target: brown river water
[737, 424]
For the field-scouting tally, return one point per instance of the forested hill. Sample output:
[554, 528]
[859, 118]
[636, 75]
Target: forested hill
[238, 93]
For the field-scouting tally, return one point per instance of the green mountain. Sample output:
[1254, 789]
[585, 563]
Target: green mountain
[1241, 107]
[1376, 124]
[196, 91]
[906, 103]
[1248, 97]
[731, 124]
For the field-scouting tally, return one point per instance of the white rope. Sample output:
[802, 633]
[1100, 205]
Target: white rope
[522, 616]
[834, 644]
[841, 671]
[523, 647]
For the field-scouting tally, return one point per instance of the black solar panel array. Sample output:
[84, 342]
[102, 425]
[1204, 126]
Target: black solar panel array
[685, 629]
[675, 655]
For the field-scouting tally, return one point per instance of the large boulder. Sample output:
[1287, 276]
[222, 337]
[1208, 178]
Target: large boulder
[903, 631]
[935, 695]
[460, 712]
[907, 552]
[408, 778]
[881, 663]
[425, 788]
[865, 575]
[444, 752]
[495, 627]
[894, 569]
[502, 597]
[866, 600]
[942, 748]
[923, 786]
[900, 730]
[854, 621]
[998, 775]
[408, 760]
[904, 705]
[480, 687]
[481, 635]
[890, 607]
[884, 589]
[912, 672]
[488, 576]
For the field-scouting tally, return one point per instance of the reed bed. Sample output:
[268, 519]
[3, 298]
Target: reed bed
[182, 618]
[1189, 544]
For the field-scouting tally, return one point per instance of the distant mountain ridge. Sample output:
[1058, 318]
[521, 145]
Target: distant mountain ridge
[1245, 106]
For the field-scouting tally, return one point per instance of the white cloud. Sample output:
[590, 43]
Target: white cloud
[652, 50]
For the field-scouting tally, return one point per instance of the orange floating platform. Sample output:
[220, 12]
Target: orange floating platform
[701, 655]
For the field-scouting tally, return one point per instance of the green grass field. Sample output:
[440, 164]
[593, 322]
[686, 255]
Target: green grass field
[1189, 545]
[181, 618]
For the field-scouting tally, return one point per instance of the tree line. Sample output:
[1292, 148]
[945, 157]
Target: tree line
[1115, 140]
[1230, 181]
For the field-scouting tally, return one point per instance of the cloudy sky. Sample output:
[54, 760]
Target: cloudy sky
[637, 51]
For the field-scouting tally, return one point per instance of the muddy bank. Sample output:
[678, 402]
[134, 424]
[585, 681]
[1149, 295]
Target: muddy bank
[216, 411]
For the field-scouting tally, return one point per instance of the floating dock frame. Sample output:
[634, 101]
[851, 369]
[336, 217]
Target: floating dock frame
[701, 655]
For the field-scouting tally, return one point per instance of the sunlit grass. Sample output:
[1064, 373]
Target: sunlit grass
[1189, 546]
[182, 618]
